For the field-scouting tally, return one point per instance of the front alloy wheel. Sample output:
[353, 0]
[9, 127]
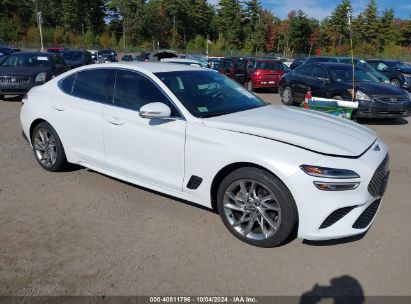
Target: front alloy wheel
[395, 82]
[252, 209]
[287, 97]
[256, 207]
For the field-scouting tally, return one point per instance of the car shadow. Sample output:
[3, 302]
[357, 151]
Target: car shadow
[14, 98]
[335, 242]
[387, 122]
[343, 290]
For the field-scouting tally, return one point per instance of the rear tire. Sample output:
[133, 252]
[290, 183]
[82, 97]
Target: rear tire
[47, 147]
[337, 97]
[256, 207]
[287, 96]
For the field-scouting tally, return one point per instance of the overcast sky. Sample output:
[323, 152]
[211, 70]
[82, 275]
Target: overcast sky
[322, 8]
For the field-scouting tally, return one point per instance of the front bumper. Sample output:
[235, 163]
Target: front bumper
[325, 215]
[16, 88]
[368, 109]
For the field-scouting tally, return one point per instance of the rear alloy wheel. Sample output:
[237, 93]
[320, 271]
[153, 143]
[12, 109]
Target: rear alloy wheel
[256, 207]
[48, 149]
[250, 86]
[395, 82]
[287, 97]
[337, 97]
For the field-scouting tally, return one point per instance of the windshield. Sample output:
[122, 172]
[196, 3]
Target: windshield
[269, 65]
[71, 55]
[367, 68]
[344, 74]
[208, 94]
[402, 65]
[26, 60]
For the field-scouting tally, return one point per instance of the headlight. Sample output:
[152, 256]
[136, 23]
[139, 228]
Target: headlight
[41, 77]
[361, 96]
[328, 172]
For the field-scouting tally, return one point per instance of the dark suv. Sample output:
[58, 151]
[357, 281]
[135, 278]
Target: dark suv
[399, 73]
[235, 68]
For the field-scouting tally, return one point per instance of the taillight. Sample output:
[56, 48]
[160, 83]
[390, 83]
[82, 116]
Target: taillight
[256, 74]
[25, 98]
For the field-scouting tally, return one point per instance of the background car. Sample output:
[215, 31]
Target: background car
[107, 56]
[75, 59]
[344, 59]
[334, 80]
[127, 58]
[399, 73]
[55, 50]
[144, 56]
[93, 54]
[19, 72]
[235, 68]
[215, 63]
[264, 73]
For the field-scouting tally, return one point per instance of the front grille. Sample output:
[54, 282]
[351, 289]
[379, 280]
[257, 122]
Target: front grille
[366, 217]
[14, 79]
[376, 187]
[335, 216]
[391, 98]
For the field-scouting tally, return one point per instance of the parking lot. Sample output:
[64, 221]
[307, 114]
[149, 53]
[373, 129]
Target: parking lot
[83, 233]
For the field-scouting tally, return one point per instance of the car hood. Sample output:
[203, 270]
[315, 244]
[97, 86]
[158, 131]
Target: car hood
[378, 88]
[22, 71]
[405, 70]
[314, 131]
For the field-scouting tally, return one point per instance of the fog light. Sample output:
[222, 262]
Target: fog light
[336, 186]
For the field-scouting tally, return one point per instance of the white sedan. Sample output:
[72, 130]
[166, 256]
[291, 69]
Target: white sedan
[199, 136]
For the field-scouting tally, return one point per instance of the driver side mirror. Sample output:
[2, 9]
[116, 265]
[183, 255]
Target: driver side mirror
[155, 110]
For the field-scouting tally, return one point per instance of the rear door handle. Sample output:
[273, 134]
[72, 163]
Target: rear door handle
[115, 121]
[58, 107]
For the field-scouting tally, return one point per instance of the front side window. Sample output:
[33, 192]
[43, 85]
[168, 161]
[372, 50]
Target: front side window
[381, 66]
[319, 72]
[96, 85]
[303, 70]
[208, 94]
[133, 90]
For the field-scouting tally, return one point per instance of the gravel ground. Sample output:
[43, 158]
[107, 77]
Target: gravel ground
[83, 233]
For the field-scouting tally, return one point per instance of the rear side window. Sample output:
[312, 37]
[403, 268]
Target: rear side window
[96, 85]
[67, 84]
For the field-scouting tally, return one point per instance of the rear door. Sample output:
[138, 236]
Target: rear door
[77, 111]
[240, 70]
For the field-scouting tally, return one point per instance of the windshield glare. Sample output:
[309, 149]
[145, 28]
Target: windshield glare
[208, 94]
[25, 60]
[340, 74]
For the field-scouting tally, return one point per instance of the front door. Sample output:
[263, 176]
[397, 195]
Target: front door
[151, 150]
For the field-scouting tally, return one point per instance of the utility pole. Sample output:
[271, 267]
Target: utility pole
[40, 21]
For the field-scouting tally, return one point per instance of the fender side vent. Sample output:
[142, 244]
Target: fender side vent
[194, 182]
[336, 216]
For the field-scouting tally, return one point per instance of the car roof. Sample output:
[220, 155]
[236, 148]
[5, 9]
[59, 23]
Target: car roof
[148, 67]
[330, 64]
[34, 54]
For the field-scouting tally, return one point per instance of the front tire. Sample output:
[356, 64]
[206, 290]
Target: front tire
[287, 97]
[256, 207]
[250, 86]
[395, 82]
[47, 147]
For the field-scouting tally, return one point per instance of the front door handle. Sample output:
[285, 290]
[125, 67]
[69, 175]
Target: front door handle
[59, 108]
[115, 121]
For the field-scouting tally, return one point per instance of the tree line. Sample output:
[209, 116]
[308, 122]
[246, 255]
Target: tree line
[232, 26]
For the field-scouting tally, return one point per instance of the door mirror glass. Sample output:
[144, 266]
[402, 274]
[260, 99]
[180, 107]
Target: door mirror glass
[155, 110]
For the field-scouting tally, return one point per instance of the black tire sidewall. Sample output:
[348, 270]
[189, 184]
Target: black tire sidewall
[61, 160]
[290, 101]
[289, 213]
